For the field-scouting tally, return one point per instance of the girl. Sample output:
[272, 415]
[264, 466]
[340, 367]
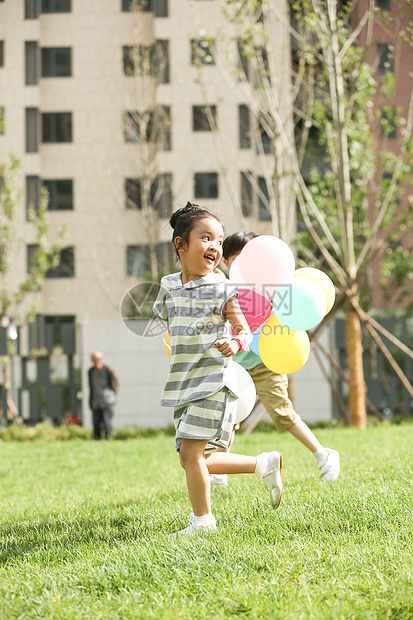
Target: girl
[202, 386]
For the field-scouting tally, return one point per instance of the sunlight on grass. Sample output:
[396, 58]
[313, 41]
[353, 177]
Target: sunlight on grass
[84, 533]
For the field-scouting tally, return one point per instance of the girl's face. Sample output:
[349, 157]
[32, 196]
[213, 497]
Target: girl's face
[204, 250]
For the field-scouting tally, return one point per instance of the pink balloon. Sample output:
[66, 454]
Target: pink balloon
[255, 308]
[235, 276]
[268, 262]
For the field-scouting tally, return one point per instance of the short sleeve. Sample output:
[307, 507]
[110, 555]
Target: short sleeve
[159, 307]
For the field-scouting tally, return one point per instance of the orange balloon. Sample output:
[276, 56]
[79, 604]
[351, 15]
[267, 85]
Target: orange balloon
[167, 344]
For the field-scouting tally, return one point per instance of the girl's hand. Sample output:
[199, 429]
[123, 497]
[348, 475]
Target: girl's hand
[227, 346]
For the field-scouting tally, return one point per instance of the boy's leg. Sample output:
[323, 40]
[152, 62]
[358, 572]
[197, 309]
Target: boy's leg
[228, 463]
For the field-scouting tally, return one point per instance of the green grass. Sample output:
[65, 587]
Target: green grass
[84, 533]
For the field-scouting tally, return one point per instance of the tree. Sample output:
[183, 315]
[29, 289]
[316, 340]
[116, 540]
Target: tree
[348, 180]
[13, 291]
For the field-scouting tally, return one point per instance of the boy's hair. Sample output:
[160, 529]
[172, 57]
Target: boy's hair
[183, 221]
[234, 243]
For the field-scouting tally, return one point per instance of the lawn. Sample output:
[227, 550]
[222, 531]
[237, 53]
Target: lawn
[84, 533]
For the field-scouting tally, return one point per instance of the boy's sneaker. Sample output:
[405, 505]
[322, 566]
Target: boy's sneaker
[268, 469]
[198, 525]
[329, 466]
[218, 480]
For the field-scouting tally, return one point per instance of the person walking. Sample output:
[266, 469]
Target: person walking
[103, 388]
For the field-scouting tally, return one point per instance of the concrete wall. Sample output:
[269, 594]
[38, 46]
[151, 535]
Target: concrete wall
[142, 368]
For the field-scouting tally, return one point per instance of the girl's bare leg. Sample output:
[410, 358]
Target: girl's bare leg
[192, 459]
[228, 463]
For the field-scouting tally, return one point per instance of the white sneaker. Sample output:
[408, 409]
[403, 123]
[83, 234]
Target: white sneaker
[198, 525]
[218, 480]
[330, 466]
[268, 469]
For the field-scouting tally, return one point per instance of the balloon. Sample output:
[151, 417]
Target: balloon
[268, 262]
[235, 276]
[300, 305]
[167, 344]
[247, 393]
[254, 346]
[255, 308]
[283, 350]
[320, 278]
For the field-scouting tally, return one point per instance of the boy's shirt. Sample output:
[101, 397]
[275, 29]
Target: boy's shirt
[247, 360]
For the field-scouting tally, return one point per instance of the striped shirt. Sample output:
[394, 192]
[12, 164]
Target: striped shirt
[194, 312]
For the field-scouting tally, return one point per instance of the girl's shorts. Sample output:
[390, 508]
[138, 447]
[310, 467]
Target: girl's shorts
[210, 418]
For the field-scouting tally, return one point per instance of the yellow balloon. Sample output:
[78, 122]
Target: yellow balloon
[320, 278]
[283, 350]
[167, 344]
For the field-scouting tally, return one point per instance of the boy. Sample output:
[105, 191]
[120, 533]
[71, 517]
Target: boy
[272, 390]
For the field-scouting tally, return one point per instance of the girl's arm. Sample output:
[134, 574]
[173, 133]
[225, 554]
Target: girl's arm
[233, 312]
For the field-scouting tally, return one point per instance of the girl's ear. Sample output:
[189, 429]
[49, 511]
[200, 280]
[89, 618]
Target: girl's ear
[179, 243]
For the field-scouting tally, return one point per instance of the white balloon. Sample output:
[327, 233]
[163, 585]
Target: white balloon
[247, 393]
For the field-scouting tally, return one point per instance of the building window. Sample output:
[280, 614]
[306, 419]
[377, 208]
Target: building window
[152, 60]
[32, 193]
[31, 9]
[56, 127]
[384, 5]
[247, 194]
[2, 120]
[66, 267]
[164, 123]
[201, 117]
[138, 260]
[202, 51]
[244, 127]
[55, 326]
[159, 7]
[32, 130]
[264, 213]
[56, 62]
[138, 127]
[385, 62]
[243, 60]
[1, 53]
[31, 54]
[160, 197]
[206, 185]
[60, 194]
[265, 140]
[388, 125]
[56, 6]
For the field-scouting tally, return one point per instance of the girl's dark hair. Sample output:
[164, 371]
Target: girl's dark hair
[183, 221]
[234, 243]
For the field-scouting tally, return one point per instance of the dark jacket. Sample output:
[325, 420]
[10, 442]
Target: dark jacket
[113, 381]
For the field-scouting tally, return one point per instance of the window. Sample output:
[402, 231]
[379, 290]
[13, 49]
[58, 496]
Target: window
[202, 51]
[31, 54]
[159, 7]
[138, 259]
[2, 120]
[60, 194]
[31, 9]
[55, 326]
[1, 53]
[32, 193]
[385, 62]
[66, 267]
[164, 133]
[32, 130]
[384, 5]
[56, 62]
[247, 193]
[388, 128]
[265, 140]
[56, 6]
[243, 60]
[150, 60]
[138, 127]
[57, 127]
[206, 185]
[201, 117]
[264, 214]
[160, 196]
[244, 127]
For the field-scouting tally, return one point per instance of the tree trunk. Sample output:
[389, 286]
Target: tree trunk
[357, 386]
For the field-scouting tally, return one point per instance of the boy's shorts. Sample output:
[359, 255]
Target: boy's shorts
[272, 390]
[210, 418]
